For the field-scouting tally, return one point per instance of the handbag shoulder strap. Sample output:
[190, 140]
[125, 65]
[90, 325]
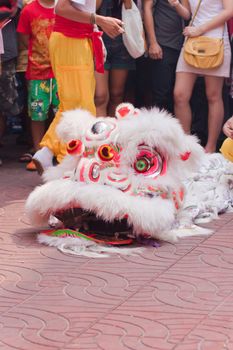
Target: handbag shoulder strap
[195, 12]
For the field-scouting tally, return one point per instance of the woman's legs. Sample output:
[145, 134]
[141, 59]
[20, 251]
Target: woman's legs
[117, 81]
[182, 93]
[101, 93]
[214, 87]
[109, 93]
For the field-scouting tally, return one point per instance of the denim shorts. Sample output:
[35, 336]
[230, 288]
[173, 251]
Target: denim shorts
[8, 89]
[117, 55]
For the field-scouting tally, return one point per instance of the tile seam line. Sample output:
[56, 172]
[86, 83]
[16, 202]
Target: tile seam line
[122, 302]
[135, 292]
[32, 296]
[205, 318]
[22, 302]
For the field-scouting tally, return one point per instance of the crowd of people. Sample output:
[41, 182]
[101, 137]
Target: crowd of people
[54, 51]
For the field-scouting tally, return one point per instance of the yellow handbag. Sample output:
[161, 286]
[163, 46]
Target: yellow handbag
[203, 52]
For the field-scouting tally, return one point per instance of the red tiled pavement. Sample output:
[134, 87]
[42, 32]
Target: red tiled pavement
[174, 297]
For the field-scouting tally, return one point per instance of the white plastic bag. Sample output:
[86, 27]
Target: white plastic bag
[133, 37]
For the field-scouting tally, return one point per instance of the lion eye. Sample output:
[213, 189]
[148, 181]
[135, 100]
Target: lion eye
[99, 128]
[75, 147]
[106, 153]
[142, 165]
[149, 162]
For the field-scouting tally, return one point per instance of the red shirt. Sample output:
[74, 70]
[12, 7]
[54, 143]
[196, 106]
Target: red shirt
[37, 22]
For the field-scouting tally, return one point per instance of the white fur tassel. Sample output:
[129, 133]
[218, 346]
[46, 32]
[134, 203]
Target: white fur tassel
[193, 230]
[82, 247]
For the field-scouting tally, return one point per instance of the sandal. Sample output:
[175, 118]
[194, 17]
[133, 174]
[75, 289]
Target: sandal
[25, 158]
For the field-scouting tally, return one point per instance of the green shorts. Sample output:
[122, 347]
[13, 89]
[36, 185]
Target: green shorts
[42, 95]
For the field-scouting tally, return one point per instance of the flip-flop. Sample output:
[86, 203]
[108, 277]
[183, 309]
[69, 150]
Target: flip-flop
[100, 239]
[25, 158]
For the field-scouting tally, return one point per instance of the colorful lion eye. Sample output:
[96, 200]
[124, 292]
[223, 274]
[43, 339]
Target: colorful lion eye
[149, 162]
[75, 147]
[106, 153]
[142, 165]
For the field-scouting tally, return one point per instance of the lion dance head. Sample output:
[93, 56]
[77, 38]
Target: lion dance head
[120, 174]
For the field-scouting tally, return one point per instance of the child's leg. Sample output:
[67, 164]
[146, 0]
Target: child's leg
[38, 130]
[50, 140]
[38, 107]
[101, 93]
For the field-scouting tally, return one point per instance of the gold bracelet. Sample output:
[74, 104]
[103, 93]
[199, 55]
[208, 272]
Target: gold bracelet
[93, 18]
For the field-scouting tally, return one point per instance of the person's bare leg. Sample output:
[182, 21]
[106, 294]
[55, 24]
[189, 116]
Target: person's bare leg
[214, 87]
[117, 81]
[38, 131]
[101, 93]
[2, 126]
[2, 129]
[182, 93]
